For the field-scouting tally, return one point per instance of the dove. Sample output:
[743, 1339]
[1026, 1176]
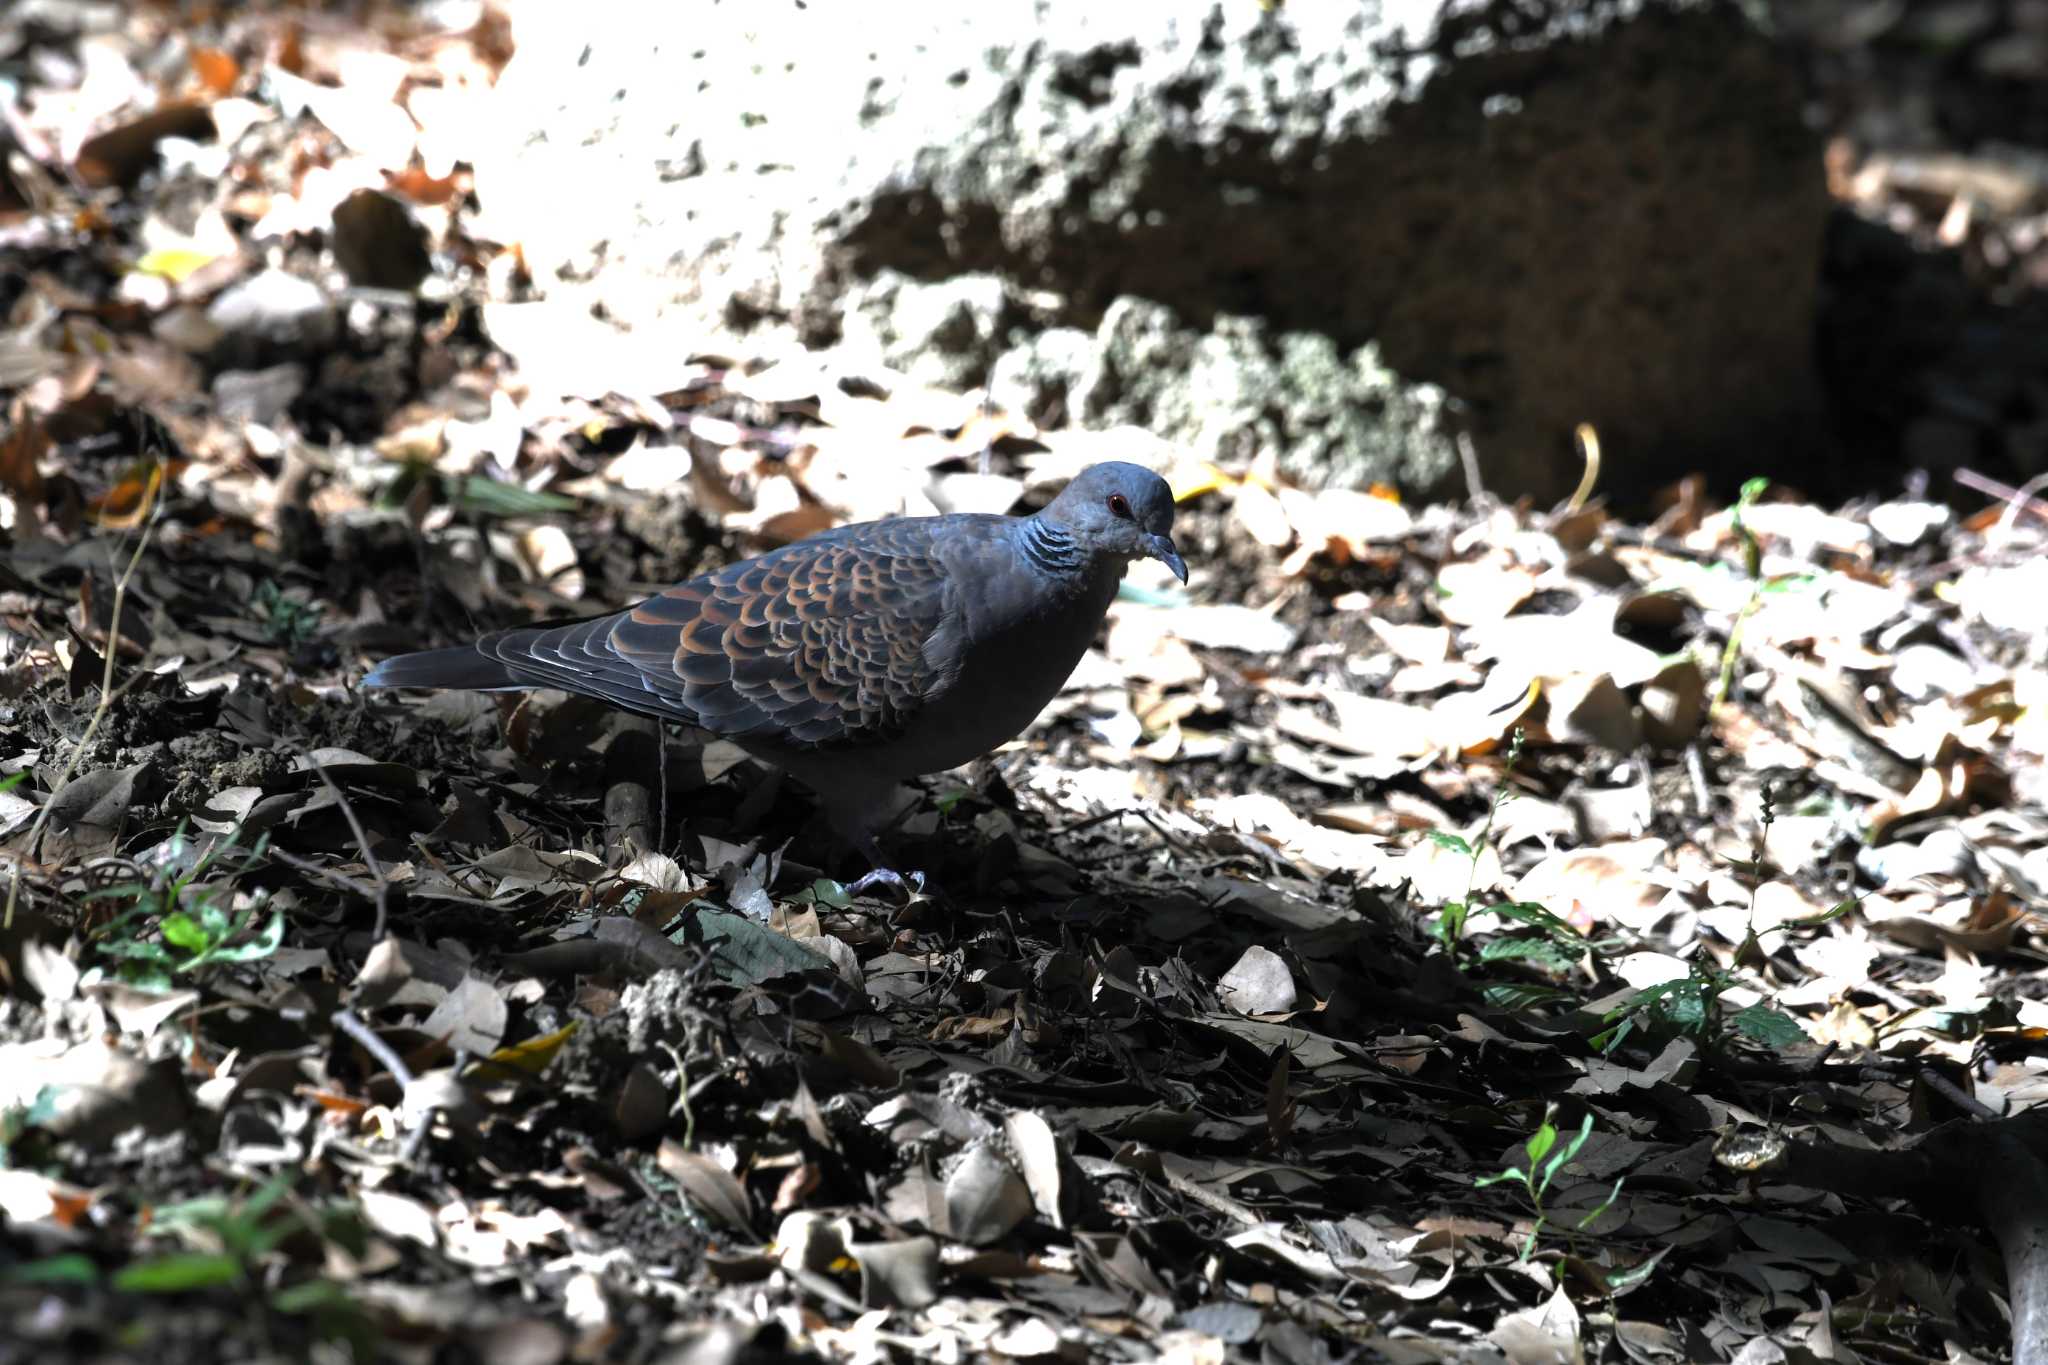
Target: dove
[860, 657]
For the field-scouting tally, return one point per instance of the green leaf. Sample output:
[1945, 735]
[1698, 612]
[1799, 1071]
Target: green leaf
[214, 919]
[1686, 1007]
[1682, 1004]
[1528, 912]
[1541, 951]
[1578, 1139]
[1631, 1276]
[1511, 1173]
[13, 780]
[1607, 1040]
[1571, 1149]
[43, 1109]
[1602, 1206]
[490, 498]
[1450, 841]
[1644, 999]
[1832, 913]
[1521, 995]
[206, 1211]
[69, 1268]
[746, 952]
[257, 948]
[153, 978]
[137, 950]
[311, 1296]
[289, 621]
[182, 931]
[256, 1241]
[1540, 1142]
[246, 1224]
[1558, 1159]
[179, 1274]
[1767, 1026]
[825, 891]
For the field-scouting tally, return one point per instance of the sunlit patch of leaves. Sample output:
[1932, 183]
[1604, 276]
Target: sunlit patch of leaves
[1540, 940]
[1693, 1005]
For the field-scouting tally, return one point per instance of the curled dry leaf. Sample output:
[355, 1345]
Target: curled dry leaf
[550, 557]
[715, 1190]
[985, 1196]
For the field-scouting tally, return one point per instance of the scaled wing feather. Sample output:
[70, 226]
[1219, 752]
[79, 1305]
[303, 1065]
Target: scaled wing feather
[813, 643]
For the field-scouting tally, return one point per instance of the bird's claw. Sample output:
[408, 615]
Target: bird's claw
[907, 885]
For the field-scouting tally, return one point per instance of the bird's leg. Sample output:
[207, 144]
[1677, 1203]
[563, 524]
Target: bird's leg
[858, 808]
[661, 769]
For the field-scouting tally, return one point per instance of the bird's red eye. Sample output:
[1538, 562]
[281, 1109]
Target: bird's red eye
[1118, 507]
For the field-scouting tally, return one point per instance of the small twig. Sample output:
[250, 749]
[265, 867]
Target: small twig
[1696, 772]
[1957, 1096]
[1172, 840]
[355, 826]
[988, 444]
[2017, 500]
[1475, 487]
[292, 860]
[682, 1104]
[153, 497]
[2022, 498]
[379, 1050]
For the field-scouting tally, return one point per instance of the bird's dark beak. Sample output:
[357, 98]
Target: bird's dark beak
[1161, 549]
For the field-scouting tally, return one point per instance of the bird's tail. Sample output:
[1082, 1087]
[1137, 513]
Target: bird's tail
[462, 666]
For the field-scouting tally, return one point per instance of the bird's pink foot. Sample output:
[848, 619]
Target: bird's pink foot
[908, 885]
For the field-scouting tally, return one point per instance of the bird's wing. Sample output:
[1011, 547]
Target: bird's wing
[839, 637]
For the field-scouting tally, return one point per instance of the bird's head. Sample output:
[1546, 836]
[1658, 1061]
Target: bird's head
[1119, 509]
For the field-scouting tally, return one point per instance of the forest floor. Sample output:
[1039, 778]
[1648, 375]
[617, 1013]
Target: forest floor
[1404, 942]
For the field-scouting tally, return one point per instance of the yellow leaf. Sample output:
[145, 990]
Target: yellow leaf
[174, 263]
[533, 1055]
[1207, 479]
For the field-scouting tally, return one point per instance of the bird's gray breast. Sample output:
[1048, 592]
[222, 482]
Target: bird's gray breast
[1010, 643]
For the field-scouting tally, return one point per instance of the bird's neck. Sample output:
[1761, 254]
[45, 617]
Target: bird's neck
[1052, 548]
[1082, 581]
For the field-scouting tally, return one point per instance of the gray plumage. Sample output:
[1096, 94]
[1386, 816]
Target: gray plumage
[859, 657]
